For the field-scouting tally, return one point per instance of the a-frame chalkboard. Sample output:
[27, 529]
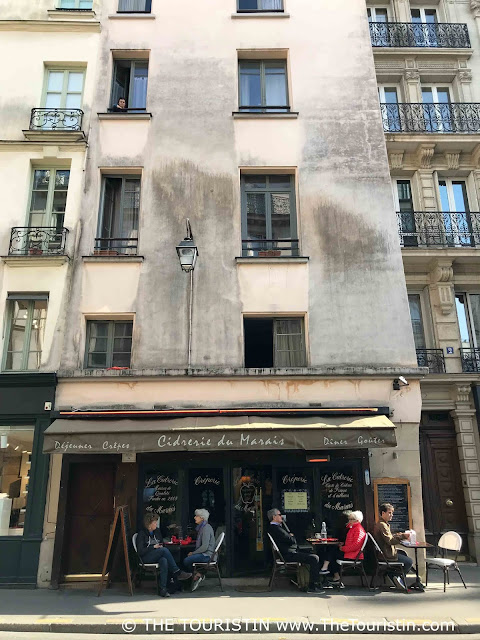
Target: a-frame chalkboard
[120, 530]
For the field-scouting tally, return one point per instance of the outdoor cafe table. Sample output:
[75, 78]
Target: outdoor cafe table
[179, 551]
[417, 584]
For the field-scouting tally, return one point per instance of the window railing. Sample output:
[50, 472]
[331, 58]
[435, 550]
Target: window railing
[267, 6]
[439, 229]
[453, 117]
[116, 246]
[431, 358]
[37, 241]
[409, 34]
[260, 248]
[264, 109]
[56, 120]
[134, 6]
[128, 110]
[470, 360]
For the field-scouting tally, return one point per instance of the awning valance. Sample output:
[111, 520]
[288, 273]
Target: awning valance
[241, 433]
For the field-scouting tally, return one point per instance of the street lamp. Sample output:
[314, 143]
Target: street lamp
[187, 254]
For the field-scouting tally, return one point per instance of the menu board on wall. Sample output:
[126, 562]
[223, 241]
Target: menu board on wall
[395, 491]
[297, 501]
[160, 495]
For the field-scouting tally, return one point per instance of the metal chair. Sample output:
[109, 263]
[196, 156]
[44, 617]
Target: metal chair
[144, 568]
[279, 563]
[383, 565]
[354, 564]
[212, 564]
[450, 541]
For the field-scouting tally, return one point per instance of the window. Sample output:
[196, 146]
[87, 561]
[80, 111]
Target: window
[25, 326]
[388, 97]
[75, 4]
[468, 314]
[62, 99]
[48, 198]
[250, 6]
[274, 342]
[263, 86]
[402, 193]
[15, 452]
[119, 212]
[417, 322]
[130, 79]
[457, 224]
[437, 110]
[109, 343]
[269, 224]
[377, 14]
[134, 6]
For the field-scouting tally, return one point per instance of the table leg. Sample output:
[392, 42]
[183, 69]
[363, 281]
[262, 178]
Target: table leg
[417, 584]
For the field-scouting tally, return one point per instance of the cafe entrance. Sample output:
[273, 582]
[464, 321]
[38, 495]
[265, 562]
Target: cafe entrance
[240, 491]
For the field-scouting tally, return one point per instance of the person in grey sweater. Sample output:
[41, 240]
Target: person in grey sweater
[204, 545]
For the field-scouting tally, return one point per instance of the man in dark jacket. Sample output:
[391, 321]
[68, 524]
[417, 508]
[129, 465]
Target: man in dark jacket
[151, 550]
[287, 545]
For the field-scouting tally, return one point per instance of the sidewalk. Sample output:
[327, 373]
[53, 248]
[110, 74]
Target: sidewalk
[252, 610]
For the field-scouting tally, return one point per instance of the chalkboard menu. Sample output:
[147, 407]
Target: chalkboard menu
[160, 495]
[395, 491]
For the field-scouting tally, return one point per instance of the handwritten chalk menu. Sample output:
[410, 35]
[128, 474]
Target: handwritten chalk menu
[337, 492]
[395, 491]
[160, 495]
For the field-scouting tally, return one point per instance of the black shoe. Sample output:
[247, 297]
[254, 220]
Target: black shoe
[182, 575]
[163, 593]
[314, 589]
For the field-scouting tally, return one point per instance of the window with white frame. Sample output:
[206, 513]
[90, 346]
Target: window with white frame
[26, 316]
[274, 342]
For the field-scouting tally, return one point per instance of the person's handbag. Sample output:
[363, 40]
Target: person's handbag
[303, 576]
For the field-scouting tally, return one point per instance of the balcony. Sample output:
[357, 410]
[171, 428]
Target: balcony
[470, 360]
[431, 358]
[37, 241]
[408, 34]
[459, 117]
[270, 248]
[116, 246]
[435, 229]
[57, 124]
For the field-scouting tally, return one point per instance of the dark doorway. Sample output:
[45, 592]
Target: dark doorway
[443, 501]
[89, 514]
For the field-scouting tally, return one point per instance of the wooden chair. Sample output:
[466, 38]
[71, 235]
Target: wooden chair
[355, 564]
[212, 564]
[144, 568]
[279, 564]
[450, 541]
[384, 566]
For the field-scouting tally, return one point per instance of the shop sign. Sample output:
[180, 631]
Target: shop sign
[213, 440]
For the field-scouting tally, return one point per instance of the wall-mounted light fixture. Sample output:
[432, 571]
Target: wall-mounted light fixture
[399, 382]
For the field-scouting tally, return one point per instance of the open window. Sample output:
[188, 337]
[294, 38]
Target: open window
[274, 342]
[130, 80]
[119, 214]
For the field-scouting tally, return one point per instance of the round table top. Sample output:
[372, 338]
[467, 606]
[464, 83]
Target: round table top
[323, 540]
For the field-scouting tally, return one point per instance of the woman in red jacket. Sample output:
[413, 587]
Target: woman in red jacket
[353, 543]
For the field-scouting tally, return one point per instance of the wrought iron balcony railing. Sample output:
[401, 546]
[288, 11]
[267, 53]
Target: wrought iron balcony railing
[418, 117]
[37, 241]
[439, 229]
[470, 360]
[409, 34]
[56, 120]
[431, 358]
[259, 248]
[116, 246]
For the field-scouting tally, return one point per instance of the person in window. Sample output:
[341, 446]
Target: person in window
[285, 541]
[348, 550]
[120, 106]
[151, 550]
[387, 540]
[204, 545]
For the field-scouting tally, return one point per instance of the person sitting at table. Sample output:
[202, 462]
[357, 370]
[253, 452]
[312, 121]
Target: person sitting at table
[151, 550]
[204, 545]
[348, 550]
[287, 544]
[387, 540]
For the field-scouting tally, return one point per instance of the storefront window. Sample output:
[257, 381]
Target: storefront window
[161, 496]
[297, 503]
[206, 491]
[15, 460]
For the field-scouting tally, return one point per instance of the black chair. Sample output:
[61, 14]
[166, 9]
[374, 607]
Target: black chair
[144, 568]
[212, 564]
[280, 564]
[384, 566]
[354, 564]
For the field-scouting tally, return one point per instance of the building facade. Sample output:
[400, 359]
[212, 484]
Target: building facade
[427, 62]
[270, 375]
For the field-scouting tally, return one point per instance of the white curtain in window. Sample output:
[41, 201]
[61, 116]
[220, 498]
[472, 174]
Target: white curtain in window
[289, 345]
[271, 5]
[131, 5]
[138, 99]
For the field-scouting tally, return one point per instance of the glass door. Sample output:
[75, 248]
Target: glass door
[424, 27]
[62, 99]
[252, 498]
[378, 19]
[437, 110]
[455, 212]
[402, 193]
[388, 97]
